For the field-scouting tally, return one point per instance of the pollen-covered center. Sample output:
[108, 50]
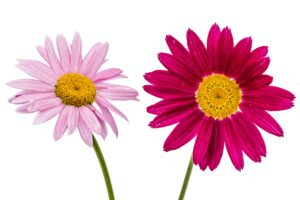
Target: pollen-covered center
[218, 96]
[75, 90]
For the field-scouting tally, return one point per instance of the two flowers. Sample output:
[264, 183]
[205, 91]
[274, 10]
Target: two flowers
[216, 93]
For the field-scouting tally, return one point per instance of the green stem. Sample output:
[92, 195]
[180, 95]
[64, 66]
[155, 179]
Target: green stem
[186, 179]
[104, 169]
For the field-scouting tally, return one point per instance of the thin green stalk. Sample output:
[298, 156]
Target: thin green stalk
[104, 169]
[186, 179]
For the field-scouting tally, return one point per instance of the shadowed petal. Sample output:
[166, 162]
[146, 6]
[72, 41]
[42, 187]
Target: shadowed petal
[170, 104]
[257, 82]
[166, 93]
[224, 48]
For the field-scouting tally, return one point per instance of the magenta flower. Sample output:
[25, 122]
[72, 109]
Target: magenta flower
[69, 86]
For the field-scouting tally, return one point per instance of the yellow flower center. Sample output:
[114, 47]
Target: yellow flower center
[75, 90]
[218, 96]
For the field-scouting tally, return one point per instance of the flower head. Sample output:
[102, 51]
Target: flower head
[218, 94]
[69, 86]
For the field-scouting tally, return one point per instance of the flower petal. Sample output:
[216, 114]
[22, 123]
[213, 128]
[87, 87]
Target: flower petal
[30, 84]
[75, 48]
[44, 104]
[184, 131]
[61, 124]
[104, 102]
[108, 118]
[173, 116]
[85, 132]
[262, 119]
[38, 70]
[116, 92]
[212, 44]
[199, 54]
[257, 82]
[73, 118]
[163, 92]
[96, 60]
[225, 46]
[232, 144]
[30, 96]
[257, 54]
[45, 115]
[89, 118]
[64, 53]
[203, 139]
[53, 60]
[42, 51]
[107, 74]
[216, 146]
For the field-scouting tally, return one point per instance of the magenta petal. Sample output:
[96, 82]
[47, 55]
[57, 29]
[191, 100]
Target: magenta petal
[257, 54]
[249, 137]
[176, 67]
[254, 69]
[212, 44]
[173, 116]
[262, 119]
[198, 53]
[203, 139]
[165, 93]
[232, 144]
[225, 46]
[61, 124]
[169, 104]
[184, 132]
[165, 79]
[216, 146]
[257, 82]
[239, 56]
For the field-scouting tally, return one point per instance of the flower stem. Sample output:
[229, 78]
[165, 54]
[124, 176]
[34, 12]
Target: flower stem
[186, 179]
[104, 169]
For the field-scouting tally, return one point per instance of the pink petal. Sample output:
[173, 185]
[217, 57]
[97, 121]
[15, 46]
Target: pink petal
[117, 92]
[176, 67]
[64, 53]
[61, 124]
[53, 60]
[45, 115]
[212, 44]
[246, 132]
[169, 104]
[166, 79]
[173, 116]
[108, 118]
[104, 102]
[100, 118]
[165, 93]
[232, 144]
[42, 51]
[76, 53]
[30, 84]
[202, 140]
[107, 74]
[199, 54]
[257, 82]
[216, 146]
[262, 119]
[26, 96]
[38, 70]
[90, 58]
[89, 118]
[225, 46]
[96, 61]
[72, 118]
[85, 132]
[184, 131]
[24, 108]
[44, 104]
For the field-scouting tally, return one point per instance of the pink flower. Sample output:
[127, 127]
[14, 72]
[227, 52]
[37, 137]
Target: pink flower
[69, 86]
[218, 94]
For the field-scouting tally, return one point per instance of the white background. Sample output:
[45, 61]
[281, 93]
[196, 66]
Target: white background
[33, 166]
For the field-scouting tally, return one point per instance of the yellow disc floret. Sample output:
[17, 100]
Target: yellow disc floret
[75, 90]
[218, 96]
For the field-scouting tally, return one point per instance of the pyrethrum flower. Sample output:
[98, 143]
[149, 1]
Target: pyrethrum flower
[69, 86]
[218, 94]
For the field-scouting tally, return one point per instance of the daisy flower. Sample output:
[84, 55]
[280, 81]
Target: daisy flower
[218, 94]
[69, 86]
